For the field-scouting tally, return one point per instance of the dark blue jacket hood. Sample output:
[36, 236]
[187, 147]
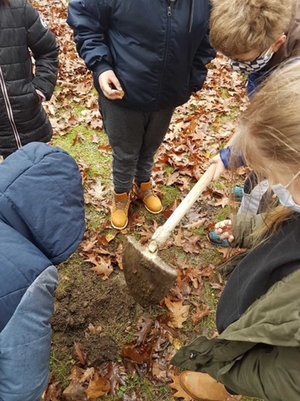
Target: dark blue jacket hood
[41, 197]
[41, 217]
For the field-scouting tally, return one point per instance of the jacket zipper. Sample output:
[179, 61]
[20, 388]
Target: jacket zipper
[9, 110]
[169, 14]
[169, 8]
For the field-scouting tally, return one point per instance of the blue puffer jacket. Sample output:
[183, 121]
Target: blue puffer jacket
[41, 218]
[158, 49]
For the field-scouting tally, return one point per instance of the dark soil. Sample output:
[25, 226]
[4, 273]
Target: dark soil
[83, 299]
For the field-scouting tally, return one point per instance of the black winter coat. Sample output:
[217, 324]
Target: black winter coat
[158, 49]
[22, 117]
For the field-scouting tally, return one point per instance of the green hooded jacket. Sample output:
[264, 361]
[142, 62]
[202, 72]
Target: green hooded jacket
[258, 355]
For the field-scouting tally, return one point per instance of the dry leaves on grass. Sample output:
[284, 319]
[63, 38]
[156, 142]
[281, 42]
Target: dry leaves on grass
[178, 312]
[86, 385]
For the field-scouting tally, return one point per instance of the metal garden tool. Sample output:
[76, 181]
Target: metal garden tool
[147, 276]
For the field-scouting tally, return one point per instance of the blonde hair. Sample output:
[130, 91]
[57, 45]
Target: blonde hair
[268, 132]
[239, 26]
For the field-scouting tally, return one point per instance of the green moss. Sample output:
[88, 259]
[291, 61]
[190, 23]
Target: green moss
[222, 214]
[76, 107]
[95, 217]
[169, 194]
[209, 256]
[199, 231]
[69, 271]
[224, 93]
[169, 169]
[223, 118]
[84, 150]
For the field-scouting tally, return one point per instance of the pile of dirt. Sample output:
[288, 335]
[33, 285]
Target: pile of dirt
[91, 313]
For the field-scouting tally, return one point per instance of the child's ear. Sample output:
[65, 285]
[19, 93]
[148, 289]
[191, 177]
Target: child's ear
[279, 42]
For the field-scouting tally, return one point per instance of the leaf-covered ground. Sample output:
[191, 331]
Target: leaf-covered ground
[106, 346]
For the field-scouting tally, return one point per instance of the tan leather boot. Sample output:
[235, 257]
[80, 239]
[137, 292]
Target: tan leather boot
[119, 211]
[201, 386]
[145, 193]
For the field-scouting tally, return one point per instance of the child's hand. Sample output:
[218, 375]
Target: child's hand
[224, 229]
[110, 85]
[220, 168]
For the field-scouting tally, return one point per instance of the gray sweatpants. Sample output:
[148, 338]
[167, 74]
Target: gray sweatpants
[134, 137]
[255, 199]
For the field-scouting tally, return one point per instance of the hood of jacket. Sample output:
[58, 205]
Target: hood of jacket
[41, 197]
[41, 218]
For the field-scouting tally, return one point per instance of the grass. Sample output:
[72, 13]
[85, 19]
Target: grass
[60, 367]
[69, 272]
[169, 194]
[134, 384]
[222, 214]
[86, 150]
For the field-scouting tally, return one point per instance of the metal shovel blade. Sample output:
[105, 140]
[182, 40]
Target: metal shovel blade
[148, 277]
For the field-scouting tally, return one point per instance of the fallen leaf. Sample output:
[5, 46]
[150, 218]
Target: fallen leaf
[51, 393]
[198, 314]
[144, 327]
[116, 375]
[178, 312]
[79, 353]
[102, 268]
[95, 330]
[87, 375]
[75, 392]
[157, 371]
[136, 354]
[97, 387]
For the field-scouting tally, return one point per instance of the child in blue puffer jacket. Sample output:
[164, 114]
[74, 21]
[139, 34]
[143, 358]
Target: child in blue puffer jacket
[41, 225]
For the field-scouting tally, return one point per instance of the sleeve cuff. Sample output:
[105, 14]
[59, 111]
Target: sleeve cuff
[99, 68]
[225, 154]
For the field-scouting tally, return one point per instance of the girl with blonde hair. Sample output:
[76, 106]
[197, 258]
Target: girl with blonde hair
[257, 353]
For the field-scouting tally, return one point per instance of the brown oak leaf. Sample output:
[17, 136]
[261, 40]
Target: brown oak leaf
[178, 312]
[98, 386]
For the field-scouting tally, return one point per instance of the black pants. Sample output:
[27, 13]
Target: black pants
[134, 137]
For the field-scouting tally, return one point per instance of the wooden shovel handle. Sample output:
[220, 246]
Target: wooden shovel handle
[162, 233]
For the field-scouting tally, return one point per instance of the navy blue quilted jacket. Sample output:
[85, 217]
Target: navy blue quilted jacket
[158, 49]
[41, 218]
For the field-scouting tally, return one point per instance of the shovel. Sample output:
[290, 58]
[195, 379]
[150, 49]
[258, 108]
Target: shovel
[148, 277]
